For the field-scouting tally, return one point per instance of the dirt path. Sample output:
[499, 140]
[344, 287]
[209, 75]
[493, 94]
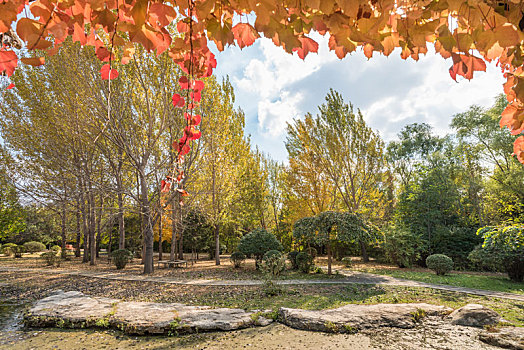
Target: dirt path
[350, 278]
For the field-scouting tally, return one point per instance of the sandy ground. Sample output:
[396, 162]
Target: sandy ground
[277, 336]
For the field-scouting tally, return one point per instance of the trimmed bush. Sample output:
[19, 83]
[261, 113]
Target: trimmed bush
[237, 258]
[9, 249]
[34, 247]
[347, 261]
[312, 251]
[257, 243]
[121, 257]
[440, 263]
[304, 262]
[51, 258]
[273, 263]
[292, 257]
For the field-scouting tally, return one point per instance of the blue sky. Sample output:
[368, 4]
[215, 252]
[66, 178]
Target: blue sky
[273, 88]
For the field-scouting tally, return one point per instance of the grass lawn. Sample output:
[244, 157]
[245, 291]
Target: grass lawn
[23, 287]
[495, 282]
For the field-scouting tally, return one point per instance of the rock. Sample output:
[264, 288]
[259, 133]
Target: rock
[352, 318]
[507, 338]
[74, 310]
[474, 315]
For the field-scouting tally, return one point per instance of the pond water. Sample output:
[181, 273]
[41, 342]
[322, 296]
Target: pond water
[13, 335]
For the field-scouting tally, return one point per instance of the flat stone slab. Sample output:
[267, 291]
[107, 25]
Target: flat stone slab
[76, 310]
[352, 318]
[506, 337]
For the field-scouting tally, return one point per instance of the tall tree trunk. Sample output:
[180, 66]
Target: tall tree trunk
[121, 222]
[160, 234]
[85, 257]
[147, 224]
[363, 251]
[181, 240]
[98, 229]
[64, 230]
[78, 233]
[217, 244]
[92, 223]
[173, 232]
[328, 246]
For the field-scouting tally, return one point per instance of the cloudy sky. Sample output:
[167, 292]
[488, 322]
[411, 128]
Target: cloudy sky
[273, 88]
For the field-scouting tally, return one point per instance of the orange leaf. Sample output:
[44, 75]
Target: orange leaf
[244, 34]
[8, 62]
[308, 45]
[12, 85]
[33, 61]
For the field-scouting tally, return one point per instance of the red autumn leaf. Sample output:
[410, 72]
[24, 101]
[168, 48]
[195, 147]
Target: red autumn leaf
[8, 62]
[164, 14]
[182, 27]
[178, 101]
[165, 186]
[196, 135]
[12, 85]
[33, 61]
[197, 85]
[196, 119]
[184, 82]
[191, 106]
[308, 45]
[196, 96]
[107, 74]
[244, 34]
[182, 192]
[465, 65]
[185, 150]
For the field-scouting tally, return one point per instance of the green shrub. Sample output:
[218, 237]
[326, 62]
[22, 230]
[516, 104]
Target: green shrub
[312, 251]
[481, 259]
[347, 261]
[34, 247]
[257, 243]
[292, 257]
[51, 258]
[56, 249]
[273, 263]
[121, 257]
[237, 258]
[440, 263]
[9, 249]
[304, 262]
[401, 247]
[505, 244]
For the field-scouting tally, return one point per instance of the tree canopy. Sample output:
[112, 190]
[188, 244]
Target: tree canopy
[471, 33]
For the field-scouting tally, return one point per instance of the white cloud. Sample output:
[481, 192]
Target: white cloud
[273, 87]
[273, 115]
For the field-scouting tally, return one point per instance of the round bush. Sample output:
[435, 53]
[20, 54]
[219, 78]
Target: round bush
[9, 249]
[439, 263]
[56, 248]
[271, 253]
[121, 257]
[292, 257]
[304, 262]
[312, 251]
[237, 258]
[34, 247]
[273, 263]
[51, 258]
[347, 261]
[257, 243]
